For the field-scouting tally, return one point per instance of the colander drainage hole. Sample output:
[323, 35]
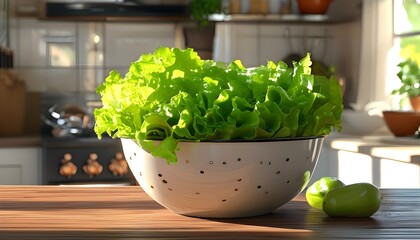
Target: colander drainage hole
[202, 172]
[287, 159]
[160, 175]
[278, 172]
[135, 154]
[238, 159]
[141, 174]
[164, 181]
[288, 181]
[259, 186]
[224, 163]
[224, 200]
[239, 179]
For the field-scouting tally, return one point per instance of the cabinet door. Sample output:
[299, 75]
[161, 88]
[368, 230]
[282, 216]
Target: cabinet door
[275, 45]
[20, 166]
[245, 44]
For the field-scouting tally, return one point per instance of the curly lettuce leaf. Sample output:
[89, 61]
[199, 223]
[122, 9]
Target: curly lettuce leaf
[172, 95]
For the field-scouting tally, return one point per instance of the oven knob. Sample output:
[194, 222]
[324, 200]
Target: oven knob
[92, 167]
[67, 168]
[118, 165]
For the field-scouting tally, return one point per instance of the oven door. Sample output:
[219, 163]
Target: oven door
[84, 161]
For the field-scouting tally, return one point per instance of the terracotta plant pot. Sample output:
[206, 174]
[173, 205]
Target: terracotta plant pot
[402, 123]
[313, 6]
[415, 103]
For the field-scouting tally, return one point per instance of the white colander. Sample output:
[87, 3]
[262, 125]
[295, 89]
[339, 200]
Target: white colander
[226, 179]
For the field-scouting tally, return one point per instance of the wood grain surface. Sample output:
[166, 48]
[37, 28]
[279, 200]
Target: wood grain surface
[61, 212]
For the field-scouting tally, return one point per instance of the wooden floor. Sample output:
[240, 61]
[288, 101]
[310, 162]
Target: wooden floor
[52, 212]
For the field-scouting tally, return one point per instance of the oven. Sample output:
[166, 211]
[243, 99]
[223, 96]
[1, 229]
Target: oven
[84, 161]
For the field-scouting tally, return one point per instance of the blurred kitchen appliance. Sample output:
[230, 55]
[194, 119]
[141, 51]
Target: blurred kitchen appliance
[84, 161]
[72, 154]
[104, 9]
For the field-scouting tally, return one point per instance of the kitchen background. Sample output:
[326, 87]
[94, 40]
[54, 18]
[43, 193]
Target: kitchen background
[62, 59]
[65, 58]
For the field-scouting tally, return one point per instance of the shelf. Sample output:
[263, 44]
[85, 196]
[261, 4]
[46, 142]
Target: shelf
[278, 18]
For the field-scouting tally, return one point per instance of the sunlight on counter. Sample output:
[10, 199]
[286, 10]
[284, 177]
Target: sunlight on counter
[384, 161]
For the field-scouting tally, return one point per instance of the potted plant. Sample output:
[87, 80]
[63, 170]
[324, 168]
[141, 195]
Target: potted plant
[200, 36]
[210, 139]
[201, 10]
[409, 75]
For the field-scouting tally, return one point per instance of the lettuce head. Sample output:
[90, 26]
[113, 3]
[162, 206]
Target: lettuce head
[173, 95]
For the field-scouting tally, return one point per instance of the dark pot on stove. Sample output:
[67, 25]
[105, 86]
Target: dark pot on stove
[68, 121]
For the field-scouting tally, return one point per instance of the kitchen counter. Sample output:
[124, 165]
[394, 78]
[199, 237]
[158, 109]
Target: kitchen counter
[20, 141]
[47, 212]
[403, 149]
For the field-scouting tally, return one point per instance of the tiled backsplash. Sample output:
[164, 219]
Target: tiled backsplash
[74, 57]
[65, 61]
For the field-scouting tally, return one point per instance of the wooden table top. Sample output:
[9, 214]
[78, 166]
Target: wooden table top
[54, 212]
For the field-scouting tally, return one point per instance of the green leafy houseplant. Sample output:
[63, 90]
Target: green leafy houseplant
[172, 95]
[409, 75]
[201, 10]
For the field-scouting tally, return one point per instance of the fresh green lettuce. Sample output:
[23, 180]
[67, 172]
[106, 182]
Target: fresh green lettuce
[172, 95]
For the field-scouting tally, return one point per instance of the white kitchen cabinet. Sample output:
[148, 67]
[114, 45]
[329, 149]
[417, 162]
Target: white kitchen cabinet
[20, 166]
[245, 42]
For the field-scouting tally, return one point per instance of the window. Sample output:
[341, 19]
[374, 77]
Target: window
[390, 30]
[406, 36]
